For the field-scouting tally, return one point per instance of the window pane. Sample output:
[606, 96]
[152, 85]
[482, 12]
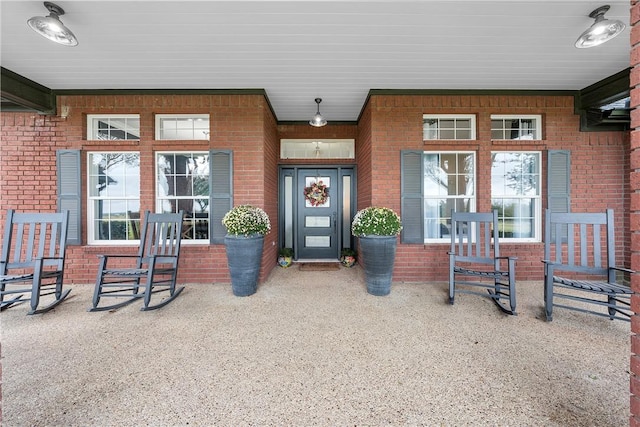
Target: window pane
[448, 127]
[449, 185]
[515, 192]
[447, 134]
[182, 127]
[182, 183]
[114, 192]
[515, 127]
[463, 134]
[113, 127]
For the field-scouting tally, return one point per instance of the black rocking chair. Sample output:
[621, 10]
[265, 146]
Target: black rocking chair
[154, 269]
[33, 255]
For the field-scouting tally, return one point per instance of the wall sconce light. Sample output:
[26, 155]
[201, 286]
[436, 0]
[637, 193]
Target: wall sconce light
[318, 120]
[51, 27]
[601, 31]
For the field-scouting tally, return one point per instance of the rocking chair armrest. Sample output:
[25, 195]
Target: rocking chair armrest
[623, 269]
[507, 257]
[117, 256]
[48, 258]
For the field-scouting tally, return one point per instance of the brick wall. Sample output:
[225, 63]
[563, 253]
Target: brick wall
[242, 123]
[245, 124]
[599, 166]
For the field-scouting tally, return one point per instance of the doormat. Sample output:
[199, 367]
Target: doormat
[319, 266]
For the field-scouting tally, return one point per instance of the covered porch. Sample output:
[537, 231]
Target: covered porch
[313, 348]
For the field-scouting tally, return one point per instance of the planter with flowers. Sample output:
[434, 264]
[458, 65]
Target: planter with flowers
[246, 226]
[377, 229]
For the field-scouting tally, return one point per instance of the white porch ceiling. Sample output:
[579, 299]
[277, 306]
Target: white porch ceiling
[299, 50]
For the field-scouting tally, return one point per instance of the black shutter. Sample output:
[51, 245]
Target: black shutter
[221, 194]
[412, 181]
[69, 192]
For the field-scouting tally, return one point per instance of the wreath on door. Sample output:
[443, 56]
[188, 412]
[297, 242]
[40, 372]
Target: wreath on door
[317, 193]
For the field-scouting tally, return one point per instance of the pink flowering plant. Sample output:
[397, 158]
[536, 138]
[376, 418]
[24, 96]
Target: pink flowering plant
[376, 221]
[246, 220]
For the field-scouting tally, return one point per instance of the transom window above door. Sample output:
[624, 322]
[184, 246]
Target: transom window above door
[317, 148]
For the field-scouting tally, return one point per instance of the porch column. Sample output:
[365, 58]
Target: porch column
[635, 211]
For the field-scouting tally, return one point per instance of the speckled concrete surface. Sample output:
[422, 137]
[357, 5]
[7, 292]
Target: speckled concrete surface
[314, 349]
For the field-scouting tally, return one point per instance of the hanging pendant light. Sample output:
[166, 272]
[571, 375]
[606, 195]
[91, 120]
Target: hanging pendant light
[601, 31]
[51, 27]
[318, 120]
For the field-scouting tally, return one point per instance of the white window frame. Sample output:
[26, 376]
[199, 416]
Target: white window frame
[473, 198]
[537, 235]
[194, 118]
[91, 214]
[92, 131]
[537, 128]
[455, 117]
[160, 199]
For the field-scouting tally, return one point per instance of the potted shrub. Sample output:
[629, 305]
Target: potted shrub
[377, 229]
[348, 257]
[285, 257]
[246, 226]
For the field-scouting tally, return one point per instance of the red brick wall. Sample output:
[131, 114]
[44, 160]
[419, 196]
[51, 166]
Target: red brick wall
[242, 123]
[245, 124]
[634, 420]
[270, 191]
[599, 166]
[363, 159]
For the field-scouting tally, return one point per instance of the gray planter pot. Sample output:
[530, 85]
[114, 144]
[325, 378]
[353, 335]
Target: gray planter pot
[377, 256]
[244, 256]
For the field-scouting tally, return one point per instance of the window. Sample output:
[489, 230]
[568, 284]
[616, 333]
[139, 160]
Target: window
[113, 127]
[114, 197]
[452, 126]
[182, 183]
[317, 148]
[182, 126]
[516, 127]
[449, 184]
[515, 193]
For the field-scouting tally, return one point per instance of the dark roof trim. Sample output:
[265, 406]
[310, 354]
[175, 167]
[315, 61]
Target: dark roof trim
[88, 92]
[604, 92]
[21, 94]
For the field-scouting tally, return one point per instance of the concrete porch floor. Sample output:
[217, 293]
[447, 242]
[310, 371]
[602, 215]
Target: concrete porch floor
[314, 349]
